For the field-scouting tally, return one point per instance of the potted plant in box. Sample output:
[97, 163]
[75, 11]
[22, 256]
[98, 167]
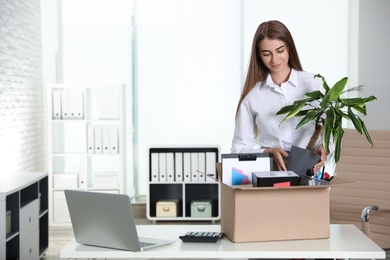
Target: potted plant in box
[327, 110]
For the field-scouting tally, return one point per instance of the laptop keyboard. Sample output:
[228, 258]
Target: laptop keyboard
[145, 244]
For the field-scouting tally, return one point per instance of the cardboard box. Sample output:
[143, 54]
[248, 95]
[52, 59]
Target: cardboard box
[201, 209]
[250, 214]
[167, 208]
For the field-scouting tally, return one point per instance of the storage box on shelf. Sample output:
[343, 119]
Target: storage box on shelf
[85, 142]
[185, 175]
[24, 210]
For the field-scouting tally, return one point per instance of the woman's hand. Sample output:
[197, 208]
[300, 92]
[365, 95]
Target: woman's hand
[321, 152]
[278, 154]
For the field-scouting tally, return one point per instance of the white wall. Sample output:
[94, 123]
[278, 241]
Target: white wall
[21, 91]
[191, 58]
[373, 65]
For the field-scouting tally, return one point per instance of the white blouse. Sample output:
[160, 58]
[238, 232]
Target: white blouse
[259, 109]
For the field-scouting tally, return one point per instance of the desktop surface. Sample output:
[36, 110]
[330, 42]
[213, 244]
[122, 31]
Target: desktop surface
[346, 241]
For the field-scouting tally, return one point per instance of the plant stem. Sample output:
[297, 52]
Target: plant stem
[314, 137]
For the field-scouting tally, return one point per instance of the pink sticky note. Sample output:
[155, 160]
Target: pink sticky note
[282, 184]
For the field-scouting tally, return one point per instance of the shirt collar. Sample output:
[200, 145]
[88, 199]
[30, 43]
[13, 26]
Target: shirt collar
[291, 80]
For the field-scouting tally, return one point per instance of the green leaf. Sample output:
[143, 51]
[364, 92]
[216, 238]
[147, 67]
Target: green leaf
[324, 84]
[315, 94]
[285, 110]
[294, 111]
[355, 120]
[361, 110]
[338, 142]
[368, 137]
[337, 89]
[325, 101]
[309, 116]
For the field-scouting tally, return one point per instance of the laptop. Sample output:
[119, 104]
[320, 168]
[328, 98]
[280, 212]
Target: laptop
[106, 220]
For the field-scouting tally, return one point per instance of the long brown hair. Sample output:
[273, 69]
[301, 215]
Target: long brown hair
[257, 71]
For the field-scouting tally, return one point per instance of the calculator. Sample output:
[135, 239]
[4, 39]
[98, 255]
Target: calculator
[203, 237]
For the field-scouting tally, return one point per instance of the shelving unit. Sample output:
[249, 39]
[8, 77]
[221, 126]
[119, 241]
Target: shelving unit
[176, 174]
[24, 233]
[85, 142]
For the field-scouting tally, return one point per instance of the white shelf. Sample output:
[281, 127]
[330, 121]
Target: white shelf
[182, 188]
[87, 152]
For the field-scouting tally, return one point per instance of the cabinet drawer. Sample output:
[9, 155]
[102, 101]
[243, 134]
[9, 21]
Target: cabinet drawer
[29, 247]
[29, 218]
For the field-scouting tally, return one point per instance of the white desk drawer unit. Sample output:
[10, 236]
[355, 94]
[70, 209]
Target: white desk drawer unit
[29, 219]
[29, 247]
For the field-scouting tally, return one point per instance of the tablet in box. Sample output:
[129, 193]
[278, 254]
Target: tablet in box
[275, 178]
[237, 168]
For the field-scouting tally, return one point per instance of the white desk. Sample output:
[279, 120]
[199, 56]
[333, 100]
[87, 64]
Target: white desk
[346, 241]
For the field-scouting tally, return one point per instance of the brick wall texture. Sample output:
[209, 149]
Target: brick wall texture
[21, 89]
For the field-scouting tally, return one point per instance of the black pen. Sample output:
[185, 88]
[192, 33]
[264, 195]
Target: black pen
[332, 177]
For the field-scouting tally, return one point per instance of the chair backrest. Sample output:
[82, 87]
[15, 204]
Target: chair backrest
[369, 169]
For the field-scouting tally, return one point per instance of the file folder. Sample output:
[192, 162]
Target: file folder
[178, 167]
[65, 104]
[170, 167]
[106, 139]
[56, 100]
[114, 139]
[162, 167]
[98, 139]
[201, 167]
[211, 168]
[194, 167]
[187, 167]
[154, 164]
[76, 104]
[237, 168]
[90, 139]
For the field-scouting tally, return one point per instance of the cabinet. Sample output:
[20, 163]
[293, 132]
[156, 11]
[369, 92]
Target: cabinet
[24, 233]
[184, 176]
[85, 142]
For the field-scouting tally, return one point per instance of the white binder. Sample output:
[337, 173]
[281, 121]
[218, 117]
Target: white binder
[56, 99]
[170, 167]
[114, 139]
[211, 168]
[178, 167]
[76, 104]
[187, 167]
[106, 144]
[162, 167]
[194, 167]
[201, 167]
[98, 139]
[65, 111]
[90, 139]
[154, 167]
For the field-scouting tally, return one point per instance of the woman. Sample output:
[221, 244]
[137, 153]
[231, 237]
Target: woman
[275, 79]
